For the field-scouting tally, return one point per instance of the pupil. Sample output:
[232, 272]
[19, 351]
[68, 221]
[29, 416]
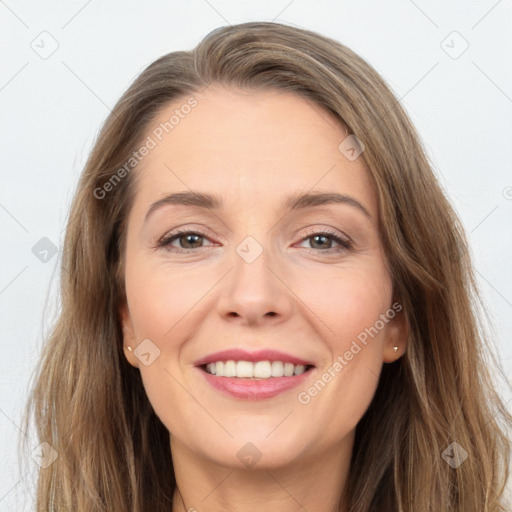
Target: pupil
[316, 237]
[188, 237]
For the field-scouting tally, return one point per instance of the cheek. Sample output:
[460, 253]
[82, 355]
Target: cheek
[356, 318]
[161, 303]
[163, 300]
[350, 304]
[347, 302]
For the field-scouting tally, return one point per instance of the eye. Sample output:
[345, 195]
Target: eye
[324, 240]
[189, 241]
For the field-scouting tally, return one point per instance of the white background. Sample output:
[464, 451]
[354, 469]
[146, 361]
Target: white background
[52, 108]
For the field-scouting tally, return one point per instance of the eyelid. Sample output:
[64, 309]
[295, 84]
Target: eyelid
[191, 228]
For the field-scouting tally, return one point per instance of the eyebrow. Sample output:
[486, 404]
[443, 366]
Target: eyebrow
[293, 202]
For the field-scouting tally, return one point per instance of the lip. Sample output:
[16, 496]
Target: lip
[255, 389]
[236, 354]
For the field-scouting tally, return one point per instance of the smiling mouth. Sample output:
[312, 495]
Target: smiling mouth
[258, 370]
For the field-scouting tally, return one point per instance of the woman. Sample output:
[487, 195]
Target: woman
[267, 300]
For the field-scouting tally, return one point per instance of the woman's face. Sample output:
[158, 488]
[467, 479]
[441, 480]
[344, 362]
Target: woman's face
[299, 280]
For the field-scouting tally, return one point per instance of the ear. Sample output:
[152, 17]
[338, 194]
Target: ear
[128, 335]
[397, 333]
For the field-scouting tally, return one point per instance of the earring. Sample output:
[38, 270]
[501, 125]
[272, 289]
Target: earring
[129, 348]
[395, 349]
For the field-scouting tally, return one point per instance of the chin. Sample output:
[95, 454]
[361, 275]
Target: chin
[258, 452]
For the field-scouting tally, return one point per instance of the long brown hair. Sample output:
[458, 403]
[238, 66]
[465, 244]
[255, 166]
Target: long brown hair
[89, 404]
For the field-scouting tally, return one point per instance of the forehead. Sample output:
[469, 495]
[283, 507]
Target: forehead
[241, 144]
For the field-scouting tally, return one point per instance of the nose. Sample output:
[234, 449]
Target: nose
[254, 291]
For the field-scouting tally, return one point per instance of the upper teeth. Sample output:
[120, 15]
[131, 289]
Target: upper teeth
[258, 370]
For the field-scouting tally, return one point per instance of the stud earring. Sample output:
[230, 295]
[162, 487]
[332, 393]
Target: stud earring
[395, 349]
[129, 348]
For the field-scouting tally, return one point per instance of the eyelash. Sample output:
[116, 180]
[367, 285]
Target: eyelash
[167, 240]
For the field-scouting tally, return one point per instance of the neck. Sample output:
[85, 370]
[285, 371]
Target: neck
[311, 483]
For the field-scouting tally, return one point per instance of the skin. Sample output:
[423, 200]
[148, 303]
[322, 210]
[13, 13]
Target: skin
[253, 149]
